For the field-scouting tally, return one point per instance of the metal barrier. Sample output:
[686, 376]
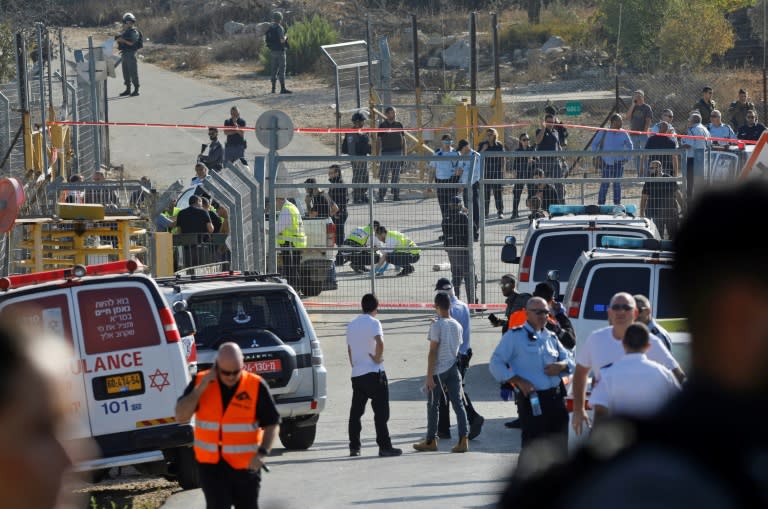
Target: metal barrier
[417, 215]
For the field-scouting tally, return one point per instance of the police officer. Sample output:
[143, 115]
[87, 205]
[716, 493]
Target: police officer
[236, 422]
[459, 311]
[277, 42]
[445, 173]
[361, 237]
[533, 360]
[127, 43]
[358, 144]
[645, 316]
[455, 227]
[290, 237]
[464, 166]
[557, 321]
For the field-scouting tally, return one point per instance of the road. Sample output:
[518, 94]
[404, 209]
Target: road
[166, 155]
[326, 477]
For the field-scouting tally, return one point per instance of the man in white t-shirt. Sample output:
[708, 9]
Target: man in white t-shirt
[604, 347]
[633, 386]
[443, 377]
[365, 346]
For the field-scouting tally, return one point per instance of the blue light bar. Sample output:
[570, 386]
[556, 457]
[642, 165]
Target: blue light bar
[561, 210]
[635, 243]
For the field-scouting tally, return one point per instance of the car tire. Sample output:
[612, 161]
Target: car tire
[297, 437]
[186, 469]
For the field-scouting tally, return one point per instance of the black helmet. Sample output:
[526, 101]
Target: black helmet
[128, 17]
[358, 117]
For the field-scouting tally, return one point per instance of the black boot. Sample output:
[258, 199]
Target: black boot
[273, 86]
[135, 92]
[284, 90]
[126, 92]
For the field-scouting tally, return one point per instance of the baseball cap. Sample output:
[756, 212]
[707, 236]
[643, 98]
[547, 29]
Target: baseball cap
[443, 284]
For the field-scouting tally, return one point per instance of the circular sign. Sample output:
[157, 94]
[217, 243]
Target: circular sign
[11, 200]
[274, 127]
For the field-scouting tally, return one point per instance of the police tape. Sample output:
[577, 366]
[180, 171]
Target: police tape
[397, 305]
[377, 130]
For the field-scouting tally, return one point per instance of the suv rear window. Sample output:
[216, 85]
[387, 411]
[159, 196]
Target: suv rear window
[274, 311]
[559, 252]
[608, 281]
[117, 318]
[667, 300]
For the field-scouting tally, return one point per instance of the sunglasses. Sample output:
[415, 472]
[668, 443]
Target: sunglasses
[229, 373]
[621, 307]
[539, 312]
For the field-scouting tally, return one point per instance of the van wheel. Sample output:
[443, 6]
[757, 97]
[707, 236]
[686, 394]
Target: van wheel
[297, 437]
[186, 469]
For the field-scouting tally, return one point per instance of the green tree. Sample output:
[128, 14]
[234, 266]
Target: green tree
[692, 33]
[7, 53]
[632, 25]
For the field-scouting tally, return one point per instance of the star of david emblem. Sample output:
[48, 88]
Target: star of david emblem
[159, 380]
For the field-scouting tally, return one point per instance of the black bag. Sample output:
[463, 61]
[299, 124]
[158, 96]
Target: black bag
[140, 42]
[272, 38]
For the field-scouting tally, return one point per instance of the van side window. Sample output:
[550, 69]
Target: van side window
[559, 252]
[668, 303]
[48, 314]
[114, 321]
[608, 281]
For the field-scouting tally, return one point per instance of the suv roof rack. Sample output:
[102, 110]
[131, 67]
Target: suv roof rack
[180, 279]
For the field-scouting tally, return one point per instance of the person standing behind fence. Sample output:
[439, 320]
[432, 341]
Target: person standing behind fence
[699, 132]
[358, 144]
[390, 144]
[613, 166]
[739, 108]
[235, 146]
[660, 141]
[456, 230]
[445, 173]
[365, 347]
[290, 236]
[215, 158]
[340, 196]
[470, 162]
[705, 105]
[523, 166]
[640, 116]
[129, 42]
[493, 168]
[662, 202]
[752, 129]
[548, 140]
[277, 42]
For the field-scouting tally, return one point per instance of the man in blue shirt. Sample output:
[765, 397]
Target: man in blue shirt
[613, 166]
[445, 172]
[460, 312]
[532, 359]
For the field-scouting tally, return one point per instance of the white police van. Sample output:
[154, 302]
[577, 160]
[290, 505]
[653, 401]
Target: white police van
[267, 319]
[635, 266]
[130, 363]
[555, 244]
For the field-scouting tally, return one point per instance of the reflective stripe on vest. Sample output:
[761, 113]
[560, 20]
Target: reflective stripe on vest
[360, 235]
[404, 243]
[295, 232]
[232, 435]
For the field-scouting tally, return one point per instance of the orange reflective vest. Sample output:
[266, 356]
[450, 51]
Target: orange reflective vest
[517, 319]
[234, 434]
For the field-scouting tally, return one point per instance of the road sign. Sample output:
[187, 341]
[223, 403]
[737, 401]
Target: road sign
[274, 121]
[573, 108]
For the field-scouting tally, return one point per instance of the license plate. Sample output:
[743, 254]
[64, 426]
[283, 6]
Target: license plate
[129, 382]
[268, 366]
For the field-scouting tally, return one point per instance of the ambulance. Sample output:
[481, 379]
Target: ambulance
[128, 368]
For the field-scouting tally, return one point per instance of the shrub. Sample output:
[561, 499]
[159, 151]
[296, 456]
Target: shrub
[238, 47]
[305, 39]
[574, 27]
[7, 53]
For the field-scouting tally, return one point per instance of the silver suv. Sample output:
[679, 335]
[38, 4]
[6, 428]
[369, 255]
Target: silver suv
[267, 319]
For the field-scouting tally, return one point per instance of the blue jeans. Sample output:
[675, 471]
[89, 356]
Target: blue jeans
[451, 379]
[615, 170]
[638, 143]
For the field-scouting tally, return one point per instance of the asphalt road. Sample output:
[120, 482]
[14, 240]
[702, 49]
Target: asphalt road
[326, 477]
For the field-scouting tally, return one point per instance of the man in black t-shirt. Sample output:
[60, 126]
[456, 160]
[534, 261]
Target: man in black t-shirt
[392, 144]
[194, 219]
[660, 201]
[661, 142]
[235, 146]
[752, 129]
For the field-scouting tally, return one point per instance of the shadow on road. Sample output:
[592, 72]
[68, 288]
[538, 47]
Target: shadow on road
[215, 102]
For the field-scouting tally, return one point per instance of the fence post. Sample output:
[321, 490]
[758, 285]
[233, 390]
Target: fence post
[272, 158]
[372, 272]
[94, 103]
[470, 204]
[44, 125]
[75, 128]
[5, 130]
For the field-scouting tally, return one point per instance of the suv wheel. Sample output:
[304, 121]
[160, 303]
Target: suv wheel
[297, 437]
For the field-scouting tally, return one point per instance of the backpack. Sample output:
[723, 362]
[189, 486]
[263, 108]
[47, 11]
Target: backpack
[272, 38]
[140, 42]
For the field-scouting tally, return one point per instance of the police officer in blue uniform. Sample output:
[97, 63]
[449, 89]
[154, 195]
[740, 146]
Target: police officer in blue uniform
[532, 359]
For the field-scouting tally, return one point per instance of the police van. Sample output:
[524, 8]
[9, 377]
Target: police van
[635, 266]
[555, 244]
[129, 365]
[267, 319]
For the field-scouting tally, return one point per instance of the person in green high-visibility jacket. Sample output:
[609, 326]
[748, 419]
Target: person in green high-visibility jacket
[398, 250]
[360, 237]
[291, 237]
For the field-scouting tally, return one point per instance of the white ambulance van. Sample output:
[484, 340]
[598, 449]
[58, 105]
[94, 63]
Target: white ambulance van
[129, 366]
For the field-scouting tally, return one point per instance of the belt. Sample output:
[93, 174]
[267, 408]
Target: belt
[554, 392]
